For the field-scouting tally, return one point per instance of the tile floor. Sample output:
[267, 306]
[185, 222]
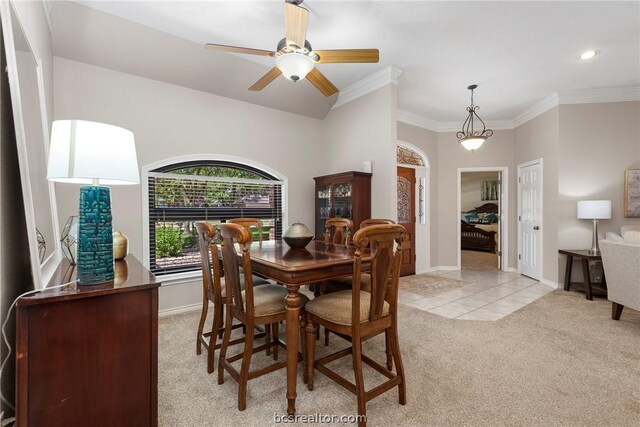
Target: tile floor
[490, 295]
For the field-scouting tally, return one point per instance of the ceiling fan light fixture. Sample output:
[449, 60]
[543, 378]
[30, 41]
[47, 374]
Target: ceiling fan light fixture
[294, 66]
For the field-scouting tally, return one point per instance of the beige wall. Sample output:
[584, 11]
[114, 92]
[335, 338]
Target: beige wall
[170, 121]
[598, 142]
[427, 141]
[585, 149]
[365, 130]
[498, 151]
[538, 139]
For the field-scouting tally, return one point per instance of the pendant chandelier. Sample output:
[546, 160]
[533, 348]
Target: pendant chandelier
[471, 137]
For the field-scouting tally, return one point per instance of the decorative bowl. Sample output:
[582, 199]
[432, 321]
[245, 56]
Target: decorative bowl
[297, 236]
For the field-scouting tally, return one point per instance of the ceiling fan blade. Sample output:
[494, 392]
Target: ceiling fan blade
[347, 55]
[236, 49]
[295, 21]
[266, 79]
[321, 82]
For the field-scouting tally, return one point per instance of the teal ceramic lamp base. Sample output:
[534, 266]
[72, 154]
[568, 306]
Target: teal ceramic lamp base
[95, 236]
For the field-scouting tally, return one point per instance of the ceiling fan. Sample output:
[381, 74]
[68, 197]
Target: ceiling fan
[294, 57]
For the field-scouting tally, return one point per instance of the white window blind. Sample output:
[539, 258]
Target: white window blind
[177, 199]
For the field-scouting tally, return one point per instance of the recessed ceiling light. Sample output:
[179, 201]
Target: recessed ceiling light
[588, 54]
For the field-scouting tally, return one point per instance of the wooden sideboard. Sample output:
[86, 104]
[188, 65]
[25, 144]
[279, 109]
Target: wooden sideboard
[88, 355]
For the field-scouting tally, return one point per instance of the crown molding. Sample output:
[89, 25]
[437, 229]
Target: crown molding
[568, 97]
[386, 76]
[592, 96]
[545, 104]
[500, 124]
[414, 119]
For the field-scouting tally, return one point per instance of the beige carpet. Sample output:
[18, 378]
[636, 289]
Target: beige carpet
[558, 361]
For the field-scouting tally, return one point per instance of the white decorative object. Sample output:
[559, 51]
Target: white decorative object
[366, 166]
[82, 151]
[294, 66]
[594, 210]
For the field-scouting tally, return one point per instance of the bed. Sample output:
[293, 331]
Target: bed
[479, 228]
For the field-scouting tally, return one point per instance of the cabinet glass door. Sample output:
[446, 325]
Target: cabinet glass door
[323, 206]
[342, 200]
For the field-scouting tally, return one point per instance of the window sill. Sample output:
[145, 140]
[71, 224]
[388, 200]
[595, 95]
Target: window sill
[179, 278]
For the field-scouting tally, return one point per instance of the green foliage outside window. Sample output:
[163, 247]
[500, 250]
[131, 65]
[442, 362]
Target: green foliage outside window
[169, 242]
[191, 193]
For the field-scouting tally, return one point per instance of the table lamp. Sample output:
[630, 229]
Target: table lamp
[594, 210]
[85, 152]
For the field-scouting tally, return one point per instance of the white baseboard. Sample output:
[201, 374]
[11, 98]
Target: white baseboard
[178, 310]
[444, 268]
[550, 283]
[512, 270]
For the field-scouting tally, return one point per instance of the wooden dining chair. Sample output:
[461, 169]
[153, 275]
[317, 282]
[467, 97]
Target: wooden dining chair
[344, 283]
[375, 221]
[358, 315]
[248, 224]
[212, 292]
[338, 231]
[253, 305]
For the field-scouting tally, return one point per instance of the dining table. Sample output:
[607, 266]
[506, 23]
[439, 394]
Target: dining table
[317, 262]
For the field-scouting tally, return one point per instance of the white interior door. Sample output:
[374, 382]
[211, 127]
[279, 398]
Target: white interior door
[530, 220]
[499, 234]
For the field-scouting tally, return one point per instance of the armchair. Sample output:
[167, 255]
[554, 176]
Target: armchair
[621, 262]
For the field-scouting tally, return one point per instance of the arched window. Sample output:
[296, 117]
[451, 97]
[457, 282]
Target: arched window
[408, 157]
[182, 193]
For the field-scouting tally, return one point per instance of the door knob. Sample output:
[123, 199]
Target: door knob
[536, 227]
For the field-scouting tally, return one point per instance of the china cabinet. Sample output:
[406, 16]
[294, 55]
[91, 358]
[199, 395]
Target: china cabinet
[342, 195]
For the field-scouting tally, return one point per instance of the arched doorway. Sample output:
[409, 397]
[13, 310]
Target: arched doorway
[413, 204]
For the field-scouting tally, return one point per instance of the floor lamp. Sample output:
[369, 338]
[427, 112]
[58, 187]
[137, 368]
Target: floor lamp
[101, 155]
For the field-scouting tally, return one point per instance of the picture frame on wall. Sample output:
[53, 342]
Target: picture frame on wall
[489, 190]
[632, 193]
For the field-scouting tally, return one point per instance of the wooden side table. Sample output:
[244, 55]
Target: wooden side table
[585, 255]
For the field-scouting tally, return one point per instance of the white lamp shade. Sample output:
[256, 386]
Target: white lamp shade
[294, 66]
[82, 151]
[473, 142]
[594, 209]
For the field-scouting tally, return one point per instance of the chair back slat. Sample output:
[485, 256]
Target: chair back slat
[338, 231]
[375, 221]
[209, 256]
[230, 234]
[248, 223]
[385, 243]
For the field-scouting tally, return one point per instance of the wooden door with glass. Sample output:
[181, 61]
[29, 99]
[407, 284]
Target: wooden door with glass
[407, 218]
